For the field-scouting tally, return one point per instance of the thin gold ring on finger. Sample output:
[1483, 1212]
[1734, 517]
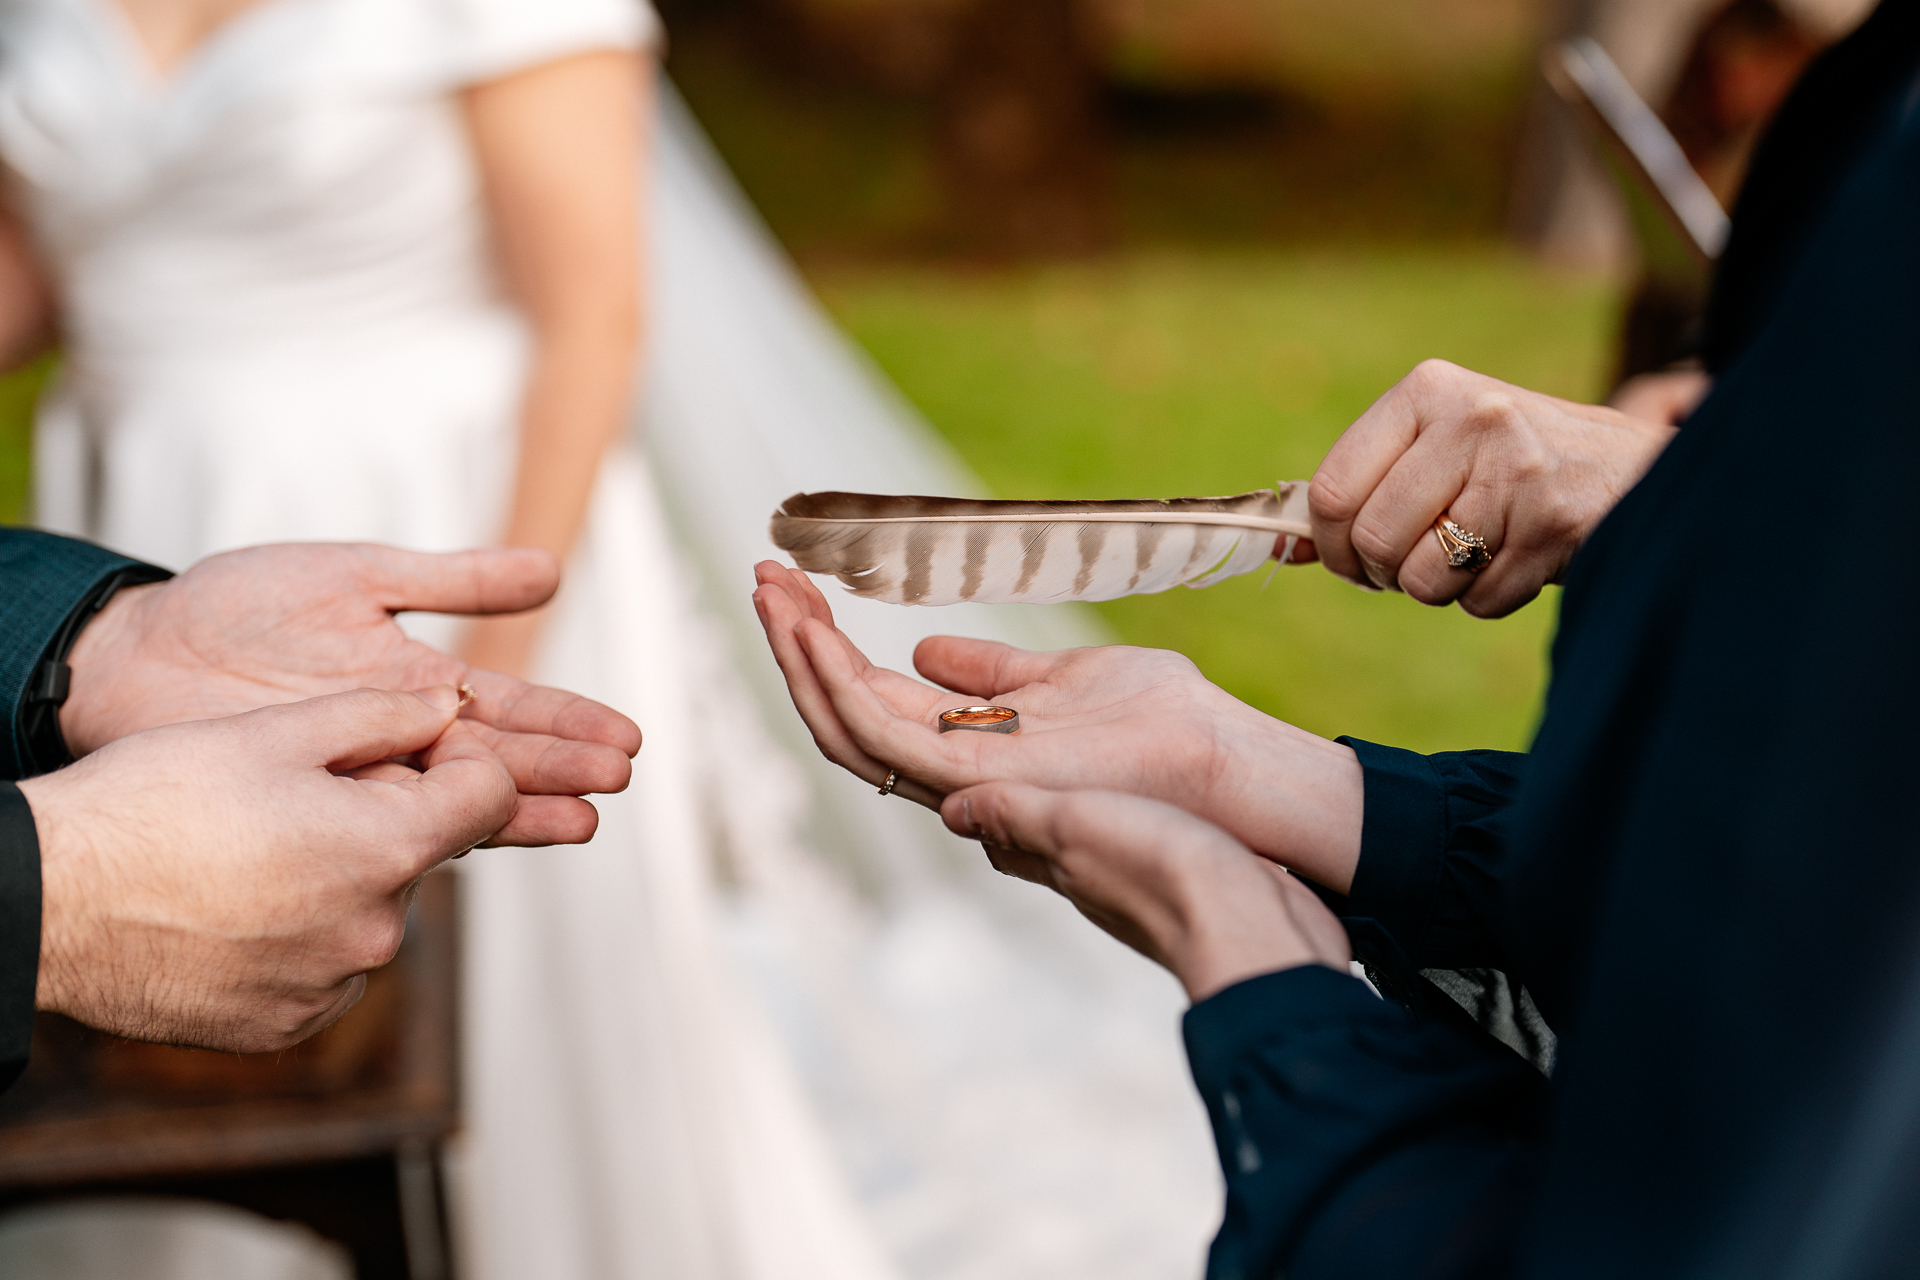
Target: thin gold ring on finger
[893, 777]
[1463, 550]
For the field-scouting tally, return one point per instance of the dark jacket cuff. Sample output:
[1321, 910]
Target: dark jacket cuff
[49, 587]
[19, 930]
[1433, 850]
[1222, 1029]
[1403, 840]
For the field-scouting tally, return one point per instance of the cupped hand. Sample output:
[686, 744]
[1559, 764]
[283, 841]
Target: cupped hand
[1180, 891]
[1529, 473]
[1113, 718]
[225, 883]
[275, 624]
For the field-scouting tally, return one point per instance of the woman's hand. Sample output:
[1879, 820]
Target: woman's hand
[1531, 474]
[1115, 718]
[1180, 891]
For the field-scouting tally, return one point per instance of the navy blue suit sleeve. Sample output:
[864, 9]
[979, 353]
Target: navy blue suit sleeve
[48, 587]
[43, 579]
[19, 930]
[1356, 1142]
[1432, 846]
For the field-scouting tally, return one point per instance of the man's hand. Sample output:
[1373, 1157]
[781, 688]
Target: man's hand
[1529, 473]
[276, 624]
[1180, 891]
[225, 883]
[1143, 721]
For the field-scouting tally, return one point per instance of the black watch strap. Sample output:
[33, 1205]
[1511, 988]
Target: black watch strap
[42, 746]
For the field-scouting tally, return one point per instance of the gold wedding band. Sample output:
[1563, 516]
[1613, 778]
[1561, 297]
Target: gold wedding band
[893, 776]
[981, 719]
[1463, 550]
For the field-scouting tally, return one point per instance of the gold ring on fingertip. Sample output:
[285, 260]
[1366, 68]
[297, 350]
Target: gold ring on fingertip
[1463, 550]
[893, 777]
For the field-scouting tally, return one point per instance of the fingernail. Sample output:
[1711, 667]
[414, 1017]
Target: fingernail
[966, 813]
[441, 697]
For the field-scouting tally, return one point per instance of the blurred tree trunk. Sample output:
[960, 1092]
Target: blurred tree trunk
[1020, 135]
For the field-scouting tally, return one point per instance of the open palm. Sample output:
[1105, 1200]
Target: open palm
[1114, 718]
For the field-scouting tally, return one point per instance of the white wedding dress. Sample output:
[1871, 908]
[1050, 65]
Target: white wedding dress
[767, 1026]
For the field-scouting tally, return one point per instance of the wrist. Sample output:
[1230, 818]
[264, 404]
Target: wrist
[1295, 798]
[65, 859]
[102, 651]
[1233, 925]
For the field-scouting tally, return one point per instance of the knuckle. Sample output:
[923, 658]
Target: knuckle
[1431, 375]
[1427, 588]
[1372, 541]
[1327, 499]
[1493, 413]
[1569, 515]
[1528, 460]
[375, 943]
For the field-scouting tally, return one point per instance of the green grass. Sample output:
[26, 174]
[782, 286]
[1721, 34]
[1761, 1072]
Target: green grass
[1162, 375]
[18, 392]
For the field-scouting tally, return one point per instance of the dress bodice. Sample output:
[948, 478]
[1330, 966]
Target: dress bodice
[280, 315]
[305, 169]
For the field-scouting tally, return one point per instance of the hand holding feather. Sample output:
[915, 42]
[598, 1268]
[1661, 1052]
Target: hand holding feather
[919, 550]
[1112, 718]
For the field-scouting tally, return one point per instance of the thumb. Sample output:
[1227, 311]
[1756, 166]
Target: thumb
[346, 730]
[506, 580]
[999, 815]
[980, 668]
[1012, 814]
[464, 797]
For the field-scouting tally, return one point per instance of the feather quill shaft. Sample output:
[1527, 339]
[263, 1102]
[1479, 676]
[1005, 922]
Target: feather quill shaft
[923, 550]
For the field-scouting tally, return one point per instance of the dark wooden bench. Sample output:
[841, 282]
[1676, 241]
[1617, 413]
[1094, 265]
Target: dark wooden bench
[342, 1133]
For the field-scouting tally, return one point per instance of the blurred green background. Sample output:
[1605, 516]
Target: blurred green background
[1282, 207]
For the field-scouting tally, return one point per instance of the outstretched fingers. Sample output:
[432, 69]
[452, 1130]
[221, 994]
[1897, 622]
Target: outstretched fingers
[543, 765]
[782, 608]
[514, 706]
[539, 821]
[503, 580]
[897, 728]
[799, 627]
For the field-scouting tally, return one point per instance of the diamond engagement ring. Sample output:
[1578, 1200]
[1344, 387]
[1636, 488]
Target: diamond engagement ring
[1463, 550]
